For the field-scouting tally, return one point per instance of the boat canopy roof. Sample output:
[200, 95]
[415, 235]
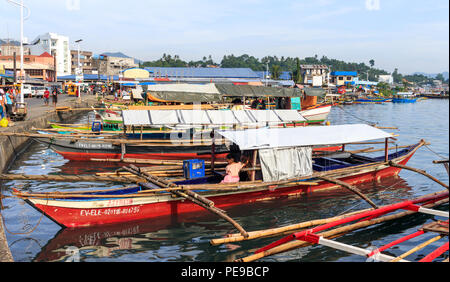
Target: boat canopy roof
[209, 117]
[263, 138]
[189, 93]
[256, 91]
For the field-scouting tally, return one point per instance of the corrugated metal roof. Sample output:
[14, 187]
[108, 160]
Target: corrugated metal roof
[350, 73]
[203, 72]
[285, 75]
[88, 77]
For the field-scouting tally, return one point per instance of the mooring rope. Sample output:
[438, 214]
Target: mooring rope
[366, 121]
[4, 221]
[361, 202]
[442, 157]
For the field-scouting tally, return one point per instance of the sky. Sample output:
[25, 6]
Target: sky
[410, 35]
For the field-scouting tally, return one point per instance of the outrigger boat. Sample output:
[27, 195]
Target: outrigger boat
[337, 226]
[404, 97]
[316, 114]
[371, 100]
[187, 125]
[286, 167]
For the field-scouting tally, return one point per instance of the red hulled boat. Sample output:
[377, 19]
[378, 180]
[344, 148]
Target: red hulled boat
[88, 208]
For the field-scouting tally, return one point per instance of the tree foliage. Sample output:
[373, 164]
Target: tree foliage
[289, 64]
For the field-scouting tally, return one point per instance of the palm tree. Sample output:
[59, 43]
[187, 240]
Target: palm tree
[372, 63]
[297, 73]
[276, 72]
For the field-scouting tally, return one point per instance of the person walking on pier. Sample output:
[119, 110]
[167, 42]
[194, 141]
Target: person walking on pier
[2, 105]
[46, 96]
[54, 97]
[7, 103]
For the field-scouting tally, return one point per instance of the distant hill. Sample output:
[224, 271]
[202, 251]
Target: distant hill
[121, 55]
[14, 42]
[433, 75]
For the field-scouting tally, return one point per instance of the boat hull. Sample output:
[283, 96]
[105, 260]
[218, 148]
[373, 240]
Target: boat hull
[316, 115]
[395, 100]
[83, 213]
[85, 151]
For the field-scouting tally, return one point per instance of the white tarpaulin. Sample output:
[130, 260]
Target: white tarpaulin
[193, 117]
[135, 117]
[303, 136]
[285, 163]
[137, 94]
[209, 88]
[222, 117]
[210, 117]
[265, 116]
[161, 117]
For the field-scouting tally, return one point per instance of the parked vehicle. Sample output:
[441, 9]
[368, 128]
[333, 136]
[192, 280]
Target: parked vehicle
[27, 91]
[38, 91]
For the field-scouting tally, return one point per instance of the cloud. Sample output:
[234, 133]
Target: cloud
[191, 29]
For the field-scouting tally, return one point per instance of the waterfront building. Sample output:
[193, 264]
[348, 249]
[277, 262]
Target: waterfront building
[85, 62]
[342, 78]
[314, 75]
[8, 49]
[40, 67]
[386, 78]
[110, 66]
[57, 46]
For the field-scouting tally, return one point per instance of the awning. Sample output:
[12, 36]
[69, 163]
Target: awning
[256, 91]
[209, 117]
[315, 92]
[184, 93]
[303, 136]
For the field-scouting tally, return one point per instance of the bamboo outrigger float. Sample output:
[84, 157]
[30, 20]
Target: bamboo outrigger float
[318, 235]
[305, 174]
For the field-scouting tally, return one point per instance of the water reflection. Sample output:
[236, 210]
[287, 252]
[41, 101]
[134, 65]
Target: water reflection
[159, 237]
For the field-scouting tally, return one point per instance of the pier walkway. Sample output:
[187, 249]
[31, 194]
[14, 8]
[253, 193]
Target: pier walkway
[38, 116]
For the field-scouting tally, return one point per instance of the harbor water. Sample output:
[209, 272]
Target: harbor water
[34, 237]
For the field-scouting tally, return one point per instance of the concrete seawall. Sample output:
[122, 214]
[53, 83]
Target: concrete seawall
[12, 147]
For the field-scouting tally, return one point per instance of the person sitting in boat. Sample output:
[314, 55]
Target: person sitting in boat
[232, 169]
[237, 105]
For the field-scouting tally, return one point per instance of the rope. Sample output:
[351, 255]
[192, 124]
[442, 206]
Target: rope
[361, 202]
[4, 221]
[442, 157]
[368, 122]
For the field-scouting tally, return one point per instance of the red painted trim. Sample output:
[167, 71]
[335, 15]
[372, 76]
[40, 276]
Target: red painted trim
[396, 242]
[430, 257]
[377, 212]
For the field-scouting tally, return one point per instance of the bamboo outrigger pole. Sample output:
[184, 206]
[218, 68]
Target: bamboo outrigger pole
[190, 195]
[391, 163]
[349, 187]
[337, 232]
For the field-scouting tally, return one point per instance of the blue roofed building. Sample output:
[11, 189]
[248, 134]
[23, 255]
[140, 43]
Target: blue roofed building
[341, 78]
[285, 75]
[203, 75]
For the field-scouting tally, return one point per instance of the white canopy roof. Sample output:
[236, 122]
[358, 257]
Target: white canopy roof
[185, 87]
[303, 136]
[209, 117]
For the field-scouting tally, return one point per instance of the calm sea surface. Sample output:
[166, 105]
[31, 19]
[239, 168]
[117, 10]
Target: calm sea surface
[33, 237]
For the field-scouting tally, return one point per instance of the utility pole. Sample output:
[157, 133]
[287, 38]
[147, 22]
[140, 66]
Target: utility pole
[22, 72]
[120, 74]
[79, 70]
